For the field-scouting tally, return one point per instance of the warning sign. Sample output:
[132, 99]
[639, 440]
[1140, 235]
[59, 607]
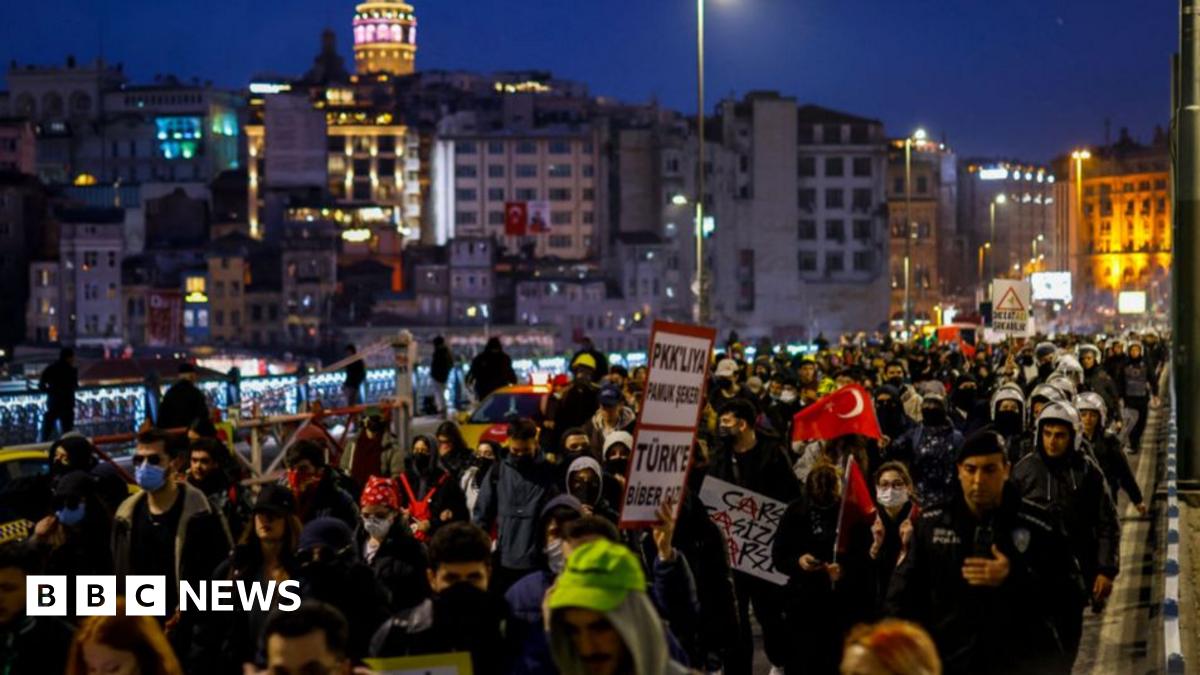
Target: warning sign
[1011, 303]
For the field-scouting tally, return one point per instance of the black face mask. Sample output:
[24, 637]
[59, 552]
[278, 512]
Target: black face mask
[891, 417]
[1045, 370]
[897, 382]
[964, 398]
[1025, 360]
[483, 463]
[933, 417]
[422, 461]
[1008, 422]
[586, 491]
[617, 466]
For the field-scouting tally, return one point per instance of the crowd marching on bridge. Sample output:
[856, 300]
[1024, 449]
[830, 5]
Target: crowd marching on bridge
[987, 479]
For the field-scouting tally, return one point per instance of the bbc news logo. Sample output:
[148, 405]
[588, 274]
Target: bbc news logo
[146, 595]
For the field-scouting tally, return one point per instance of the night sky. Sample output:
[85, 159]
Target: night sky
[1022, 78]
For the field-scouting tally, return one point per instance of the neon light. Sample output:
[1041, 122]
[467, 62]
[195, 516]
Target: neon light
[996, 173]
[269, 87]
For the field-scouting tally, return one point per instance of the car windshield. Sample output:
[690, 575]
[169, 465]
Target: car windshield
[500, 407]
[21, 468]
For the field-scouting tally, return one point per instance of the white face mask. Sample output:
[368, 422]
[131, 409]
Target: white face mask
[554, 556]
[787, 396]
[377, 527]
[891, 497]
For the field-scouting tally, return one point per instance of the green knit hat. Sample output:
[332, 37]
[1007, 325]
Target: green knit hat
[599, 575]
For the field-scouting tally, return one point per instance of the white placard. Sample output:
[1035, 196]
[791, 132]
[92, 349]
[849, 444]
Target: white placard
[749, 522]
[1011, 302]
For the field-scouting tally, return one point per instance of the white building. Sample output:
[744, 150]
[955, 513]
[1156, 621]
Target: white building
[582, 306]
[89, 276]
[800, 245]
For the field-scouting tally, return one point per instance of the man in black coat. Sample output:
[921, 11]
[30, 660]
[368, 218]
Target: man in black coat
[439, 372]
[356, 374]
[987, 572]
[754, 460]
[491, 369]
[59, 380]
[183, 403]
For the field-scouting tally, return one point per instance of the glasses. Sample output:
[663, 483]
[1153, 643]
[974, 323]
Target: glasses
[152, 460]
[894, 484]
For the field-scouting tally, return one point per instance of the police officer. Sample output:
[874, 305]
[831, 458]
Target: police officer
[1062, 476]
[1106, 449]
[986, 571]
[1008, 419]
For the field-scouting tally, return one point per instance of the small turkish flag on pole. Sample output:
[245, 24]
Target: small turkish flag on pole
[857, 504]
[516, 218]
[848, 410]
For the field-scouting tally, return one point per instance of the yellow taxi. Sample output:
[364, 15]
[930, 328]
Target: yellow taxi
[489, 421]
[14, 464]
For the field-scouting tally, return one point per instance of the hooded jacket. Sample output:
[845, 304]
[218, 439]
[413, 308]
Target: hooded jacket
[202, 540]
[512, 495]
[636, 621]
[598, 428]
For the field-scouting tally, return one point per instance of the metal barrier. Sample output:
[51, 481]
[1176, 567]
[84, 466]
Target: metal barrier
[1172, 642]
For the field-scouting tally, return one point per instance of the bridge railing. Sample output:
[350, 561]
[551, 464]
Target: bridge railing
[1172, 563]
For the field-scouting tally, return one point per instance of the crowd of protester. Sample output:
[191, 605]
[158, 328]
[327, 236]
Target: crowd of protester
[995, 479]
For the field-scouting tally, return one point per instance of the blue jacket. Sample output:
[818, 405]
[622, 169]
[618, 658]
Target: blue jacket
[512, 496]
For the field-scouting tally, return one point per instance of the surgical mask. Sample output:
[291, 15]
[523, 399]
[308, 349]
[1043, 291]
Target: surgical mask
[891, 497]
[787, 396]
[69, 516]
[150, 477]
[617, 466]
[554, 556]
[377, 526]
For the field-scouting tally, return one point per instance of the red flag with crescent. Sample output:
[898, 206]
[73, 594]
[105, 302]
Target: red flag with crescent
[848, 410]
[516, 218]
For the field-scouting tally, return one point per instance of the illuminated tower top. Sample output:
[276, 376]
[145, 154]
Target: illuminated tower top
[385, 38]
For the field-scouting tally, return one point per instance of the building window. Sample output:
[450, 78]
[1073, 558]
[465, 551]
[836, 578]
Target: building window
[495, 148]
[495, 171]
[834, 262]
[362, 191]
[745, 276]
[862, 230]
[560, 218]
[559, 171]
[588, 217]
[804, 134]
[835, 198]
[807, 198]
[560, 148]
[465, 217]
[495, 217]
[859, 133]
[807, 230]
[835, 230]
[862, 167]
[862, 199]
[526, 170]
[832, 134]
[589, 194]
[806, 167]
[898, 186]
[461, 171]
[526, 148]
[465, 147]
[466, 194]
[387, 144]
[922, 185]
[560, 194]
[526, 194]
[862, 261]
[834, 166]
[588, 171]
[495, 194]
[560, 241]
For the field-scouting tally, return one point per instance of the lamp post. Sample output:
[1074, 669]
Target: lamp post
[1036, 240]
[701, 294]
[987, 245]
[917, 137]
[998, 199]
[1078, 156]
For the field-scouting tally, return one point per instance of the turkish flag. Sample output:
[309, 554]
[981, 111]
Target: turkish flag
[858, 506]
[516, 218]
[848, 410]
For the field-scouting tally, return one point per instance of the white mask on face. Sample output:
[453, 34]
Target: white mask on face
[787, 396]
[891, 497]
[555, 557]
[377, 527]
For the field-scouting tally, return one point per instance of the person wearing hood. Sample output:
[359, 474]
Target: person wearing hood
[76, 538]
[486, 454]
[210, 470]
[617, 449]
[889, 410]
[526, 597]
[1106, 449]
[828, 590]
[461, 615]
[755, 460]
[1008, 420]
[28, 644]
[612, 415]
[373, 451]
[968, 411]
[510, 497]
[1138, 386]
[1043, 354]
[453, 455]
[579, 402]
[1097, 379]
[330, 570]
[1115, 359]
[894, 375]
[600, 619]
[782, 402]
[395, 557]
[429, 494]
[490, 370]
[183, 403]
[929, 449]
[440, 366]
[313, 484]
[60, 381]
[1062, 477]
[585, 482]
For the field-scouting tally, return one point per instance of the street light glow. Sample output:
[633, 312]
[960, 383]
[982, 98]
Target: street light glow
[679, 200]
[1001, 199]
[919, 135]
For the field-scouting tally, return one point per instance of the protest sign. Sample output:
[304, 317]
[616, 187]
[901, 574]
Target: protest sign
[662, 454]
[749, 521]
[456, 663]
[1011, 303]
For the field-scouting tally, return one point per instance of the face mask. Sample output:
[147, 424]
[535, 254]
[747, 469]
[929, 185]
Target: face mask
[422, 461]
[891, 497]
[375, 426]
[74, 516]
[586, 491]
[934, 417]
[377, 527]
[964, 398]
[301, 481]
[726, 433]
[725, 383]
[1008, 422]
[787, 396]
[58, 469]
[617, 466]
[896, 382]
[554, 556]
[149, 477]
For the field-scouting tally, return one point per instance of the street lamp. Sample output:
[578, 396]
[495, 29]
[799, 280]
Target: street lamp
[998, 199]
[1079, 156]
[987, 245]
[1036, 240]
[917, 137]
[701, 295]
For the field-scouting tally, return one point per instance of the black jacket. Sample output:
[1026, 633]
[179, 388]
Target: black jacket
[491, 370]
[1073, 487]
[448, 496]
[328, 499]
[441, 364]
[1010, 628]
[183, 404]
[399, 566]
[35, 644]
[59, 380]
[1111, 458]
[764, 469]
[1099, 381]
[356, 374]
[460, 619]
[348, 584]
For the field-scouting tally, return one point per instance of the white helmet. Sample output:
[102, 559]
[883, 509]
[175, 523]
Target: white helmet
[1005, 393]
[1047, 391]
[1064, 413]
[1069, 365]
[1090, 400]
[1088, 347]
[1064, 384]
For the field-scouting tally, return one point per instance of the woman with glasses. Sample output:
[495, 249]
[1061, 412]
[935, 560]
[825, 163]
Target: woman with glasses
[895, 513]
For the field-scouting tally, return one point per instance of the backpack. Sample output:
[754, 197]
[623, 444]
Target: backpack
[419, 508]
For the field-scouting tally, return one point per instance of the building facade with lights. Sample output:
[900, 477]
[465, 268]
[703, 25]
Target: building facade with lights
[385, 38]
[1027, 235]
[1122, 239]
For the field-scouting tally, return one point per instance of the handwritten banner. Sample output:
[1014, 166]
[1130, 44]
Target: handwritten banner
[749, 521]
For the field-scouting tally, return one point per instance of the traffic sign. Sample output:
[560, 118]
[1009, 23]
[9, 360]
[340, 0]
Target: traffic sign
[1011, 301]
